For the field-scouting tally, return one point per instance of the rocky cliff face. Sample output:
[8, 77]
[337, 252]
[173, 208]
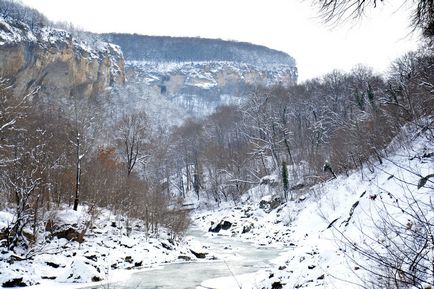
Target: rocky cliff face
[56, 62]
[199, 87]
[197, 75]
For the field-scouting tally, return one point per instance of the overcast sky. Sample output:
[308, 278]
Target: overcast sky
[291, 26]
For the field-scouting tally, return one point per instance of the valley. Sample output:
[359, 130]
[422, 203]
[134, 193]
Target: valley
[133, 161]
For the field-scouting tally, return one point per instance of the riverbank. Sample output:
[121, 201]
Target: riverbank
[105, 252]
[263, 242]
[342, 232]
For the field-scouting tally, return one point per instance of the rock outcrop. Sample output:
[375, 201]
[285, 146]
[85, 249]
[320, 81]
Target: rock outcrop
[198, 75]
[200, 87]
[56, 62]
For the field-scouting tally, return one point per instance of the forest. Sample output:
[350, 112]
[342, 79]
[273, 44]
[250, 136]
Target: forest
[86, 152]
[179, 49]
[53, 154]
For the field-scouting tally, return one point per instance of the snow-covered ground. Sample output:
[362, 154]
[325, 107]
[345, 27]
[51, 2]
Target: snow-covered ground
[107, 253]
[319, 231]
[316, 233]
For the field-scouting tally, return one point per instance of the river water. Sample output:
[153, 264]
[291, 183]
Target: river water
[235, 257]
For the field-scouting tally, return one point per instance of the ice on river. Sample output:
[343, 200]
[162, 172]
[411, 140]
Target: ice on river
[235, 263]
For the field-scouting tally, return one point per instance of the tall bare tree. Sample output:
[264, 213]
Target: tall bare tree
[132, 134]
[84, 130]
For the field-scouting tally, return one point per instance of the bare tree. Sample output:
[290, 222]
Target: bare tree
[84, 130]
[132, 134]
[338, 10]
[189, 143]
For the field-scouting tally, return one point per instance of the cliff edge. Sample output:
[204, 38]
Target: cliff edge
[59, 64]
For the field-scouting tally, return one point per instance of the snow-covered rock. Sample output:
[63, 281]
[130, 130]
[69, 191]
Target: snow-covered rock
[198, 249]
[82, 270]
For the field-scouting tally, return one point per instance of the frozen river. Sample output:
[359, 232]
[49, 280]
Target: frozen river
[234, 258]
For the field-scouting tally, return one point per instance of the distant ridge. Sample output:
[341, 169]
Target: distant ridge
[181, 49]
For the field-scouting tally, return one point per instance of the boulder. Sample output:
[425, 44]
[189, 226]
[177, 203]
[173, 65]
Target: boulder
[128, 242]
[15, 282]
[184, 258]
[270, 203]
[247, 228]
[223, 225]
[52, 264]
[82, 270]
[215, 227]
[198, 250]
[70, 234]
[199, 255]
[276, 285]
[226, 225]
[167, 245]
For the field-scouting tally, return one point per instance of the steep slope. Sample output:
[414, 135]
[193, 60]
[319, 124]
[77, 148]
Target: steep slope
[200, 87]
[371, 228]
[55, 61]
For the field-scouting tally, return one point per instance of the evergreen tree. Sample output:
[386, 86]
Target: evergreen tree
[285, 181]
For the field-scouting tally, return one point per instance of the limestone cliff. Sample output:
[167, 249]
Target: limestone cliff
[197, 74]
[56, 62]
[200, 87]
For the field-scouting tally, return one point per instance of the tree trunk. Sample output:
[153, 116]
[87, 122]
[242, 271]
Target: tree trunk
[78, 174]
[187, 170]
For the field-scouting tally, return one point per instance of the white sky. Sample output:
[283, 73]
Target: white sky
[291, 26]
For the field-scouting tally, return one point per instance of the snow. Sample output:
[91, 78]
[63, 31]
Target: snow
[13, 32]
[312, 254]
[250, 280]
[106, 253]
[307, 231]
[10, 34]
[69, 216]
[81, 270]
[6, 219]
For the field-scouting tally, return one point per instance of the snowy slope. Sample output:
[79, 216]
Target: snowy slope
[317, 252]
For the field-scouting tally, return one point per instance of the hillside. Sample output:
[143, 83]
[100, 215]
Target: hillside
[198, 75]
[324, 235]
[182, 49]
[348, 232]
[198, 159]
